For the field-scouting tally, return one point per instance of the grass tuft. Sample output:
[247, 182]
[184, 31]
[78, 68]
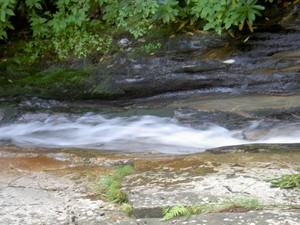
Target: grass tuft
[110, 184]
[240, 204]
[127, 209]
[291, 181]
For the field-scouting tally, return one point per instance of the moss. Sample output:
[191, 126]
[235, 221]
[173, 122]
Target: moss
[17, 79]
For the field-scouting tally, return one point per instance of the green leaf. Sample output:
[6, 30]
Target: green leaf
[9, 12]
[217, 7]
[233, 3]
[10, 26]
[3, 34]
[251, 15]
[258, 7]
[2, 16]
[38, 6]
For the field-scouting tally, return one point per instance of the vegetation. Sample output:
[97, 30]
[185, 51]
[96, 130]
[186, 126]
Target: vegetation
[28, 81]
[127, 209]
[80, 27]
[287, 181]
[110, 187]
[239, 204]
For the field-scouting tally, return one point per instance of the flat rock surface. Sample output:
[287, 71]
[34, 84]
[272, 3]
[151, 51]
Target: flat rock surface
[37, 188]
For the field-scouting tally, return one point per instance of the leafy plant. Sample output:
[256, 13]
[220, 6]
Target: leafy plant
[224, 14]
[133, 16]
[64, 31]
[150, 47]
[6, 11]
[77, 28]
[167, 11]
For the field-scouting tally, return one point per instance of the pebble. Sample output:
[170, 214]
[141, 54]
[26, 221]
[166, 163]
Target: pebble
[90, 213]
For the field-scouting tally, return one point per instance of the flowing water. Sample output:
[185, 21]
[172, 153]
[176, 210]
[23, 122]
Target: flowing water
[166, 134]
[197, 101]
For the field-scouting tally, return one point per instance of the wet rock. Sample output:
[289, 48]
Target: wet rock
[189, 63]
[47, 193]
[269, 129]
[257, 148]
[264, 62]
[124, 42]
[291, 19]
[8, 113]
[202, 119]
[148, 212]
[39, 103]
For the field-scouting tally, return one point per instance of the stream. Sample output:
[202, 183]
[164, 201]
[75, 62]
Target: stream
[183, 99]
[171, 126]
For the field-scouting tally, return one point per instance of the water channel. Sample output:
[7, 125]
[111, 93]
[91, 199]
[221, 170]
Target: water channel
[172, 126]
[183, 100]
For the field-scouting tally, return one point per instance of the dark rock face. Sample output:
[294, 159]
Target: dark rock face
[265, 63]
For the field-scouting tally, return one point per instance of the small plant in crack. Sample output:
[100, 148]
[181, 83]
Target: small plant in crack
[239, 204]
[110, 184]
[287, 181]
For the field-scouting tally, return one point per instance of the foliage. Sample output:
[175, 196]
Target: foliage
[110, 187]
[78, 44]
[110, 184]
[132, 16]
[224, 14]
[287, 181]
[79, 27]
[187, 211]
[167, 11]
[6, 10]
[150, 47]
[245, 203]
[175, 211]
[127, 209]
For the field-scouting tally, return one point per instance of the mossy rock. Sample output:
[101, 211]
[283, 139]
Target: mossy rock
[53, 83]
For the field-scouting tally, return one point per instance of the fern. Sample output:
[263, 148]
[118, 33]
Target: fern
[180, 210]
[201, 209]
[176, 211]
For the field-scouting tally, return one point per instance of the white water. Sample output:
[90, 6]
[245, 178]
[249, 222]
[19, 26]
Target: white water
[137, 133]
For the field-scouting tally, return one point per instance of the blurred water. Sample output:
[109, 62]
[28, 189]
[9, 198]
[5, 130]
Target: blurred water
[139, 133]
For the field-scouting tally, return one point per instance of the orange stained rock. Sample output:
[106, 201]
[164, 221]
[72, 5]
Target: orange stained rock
[32, 163]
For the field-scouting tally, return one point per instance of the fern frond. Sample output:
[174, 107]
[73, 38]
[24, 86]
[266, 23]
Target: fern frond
[165, 210]
[175, 211]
